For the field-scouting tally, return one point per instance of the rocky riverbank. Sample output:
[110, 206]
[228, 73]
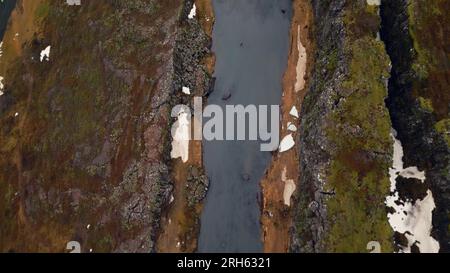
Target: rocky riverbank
[369, 51]
[194, 64]
[277, 212]
[85, 143]
[345, 146]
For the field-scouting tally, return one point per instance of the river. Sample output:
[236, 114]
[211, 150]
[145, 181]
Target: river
[251, 43]
[6, 7]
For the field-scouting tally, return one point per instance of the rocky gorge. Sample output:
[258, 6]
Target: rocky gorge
[378, 65]
[85, 127]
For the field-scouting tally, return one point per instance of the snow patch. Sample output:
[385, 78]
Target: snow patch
[301, 64]
[181, 136]
[287, 143]
[45, 54]
[291, 127]
[294, 112]
[373, 2]
[186, 90]
[1, 85]
[289, 188]
[413, 220]
[1, 78]
[193, 12]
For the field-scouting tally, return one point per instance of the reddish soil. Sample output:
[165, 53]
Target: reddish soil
[276, 218]
[179, 224]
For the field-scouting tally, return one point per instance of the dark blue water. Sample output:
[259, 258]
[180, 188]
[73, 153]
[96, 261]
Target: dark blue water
[251, 43]
[5, 11]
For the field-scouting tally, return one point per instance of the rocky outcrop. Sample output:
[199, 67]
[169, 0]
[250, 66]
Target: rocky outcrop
[345, 147]
[311, 214]
[197, 186]
[181, 218]
[192, 47]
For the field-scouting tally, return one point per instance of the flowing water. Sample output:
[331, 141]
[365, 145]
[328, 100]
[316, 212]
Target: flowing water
[6, 8]
[251, 43]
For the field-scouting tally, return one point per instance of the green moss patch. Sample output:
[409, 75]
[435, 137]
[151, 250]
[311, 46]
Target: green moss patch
[360, 130]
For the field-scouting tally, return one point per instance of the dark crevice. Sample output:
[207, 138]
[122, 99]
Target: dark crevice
[423, 147]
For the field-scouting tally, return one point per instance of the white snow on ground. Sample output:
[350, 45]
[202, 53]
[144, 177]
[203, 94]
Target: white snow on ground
[1, 86]
[289, 188]
[294, 112]
[186, 90]
[181, 137]
[73, 2]
[413, 172]
[1, 78]
[416, 224]
[193, 12]
[287, 143]
[373, 2]
[45, 54]
[291, 127]
[301, 64]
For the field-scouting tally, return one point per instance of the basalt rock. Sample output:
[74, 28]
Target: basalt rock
[91, 162]
[419, 95]
[197, 186]
[345, 147]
